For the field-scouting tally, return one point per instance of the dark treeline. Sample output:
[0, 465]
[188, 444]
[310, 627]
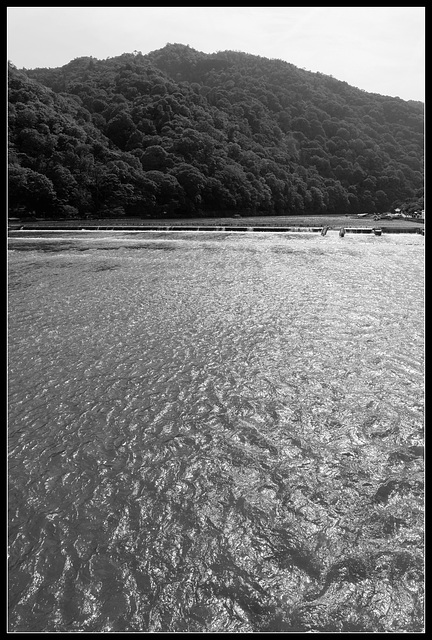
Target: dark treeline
[179, 132]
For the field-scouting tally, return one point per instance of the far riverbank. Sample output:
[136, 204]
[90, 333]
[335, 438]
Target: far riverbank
[396, 225]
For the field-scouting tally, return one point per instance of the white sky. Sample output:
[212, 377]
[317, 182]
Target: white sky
[378, 49]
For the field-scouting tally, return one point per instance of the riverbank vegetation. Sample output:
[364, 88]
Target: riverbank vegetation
[178, 132]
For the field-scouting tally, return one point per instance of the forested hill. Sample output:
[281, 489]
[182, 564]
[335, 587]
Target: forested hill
[179, 132]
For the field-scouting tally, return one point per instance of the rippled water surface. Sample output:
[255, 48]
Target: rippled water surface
[215, 432]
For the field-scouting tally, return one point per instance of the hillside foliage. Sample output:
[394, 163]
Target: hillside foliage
[178, 132]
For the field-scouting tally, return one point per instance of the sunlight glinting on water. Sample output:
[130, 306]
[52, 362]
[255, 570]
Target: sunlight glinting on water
[215, 432]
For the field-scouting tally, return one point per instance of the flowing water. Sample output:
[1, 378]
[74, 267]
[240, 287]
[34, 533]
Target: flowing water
[215, 432]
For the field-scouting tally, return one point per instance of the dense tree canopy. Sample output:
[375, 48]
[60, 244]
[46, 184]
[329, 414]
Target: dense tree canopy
[177, 132]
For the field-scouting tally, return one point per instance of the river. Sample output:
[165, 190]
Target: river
[215, 432]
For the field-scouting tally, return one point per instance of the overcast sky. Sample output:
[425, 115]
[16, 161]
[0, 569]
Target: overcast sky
[378, 49]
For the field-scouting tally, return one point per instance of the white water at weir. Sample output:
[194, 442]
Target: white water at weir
[215, 432]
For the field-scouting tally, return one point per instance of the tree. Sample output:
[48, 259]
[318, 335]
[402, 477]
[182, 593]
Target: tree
[315, 201]
[120, 128]
[30, 190]
[169, 193]
[192, 181]
[156, 158]
[382, 201]
[338, 201]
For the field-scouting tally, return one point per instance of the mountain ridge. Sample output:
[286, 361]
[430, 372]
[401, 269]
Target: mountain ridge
[200, 132]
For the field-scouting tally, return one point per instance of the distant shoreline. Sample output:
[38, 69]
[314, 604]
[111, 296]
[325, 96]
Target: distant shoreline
[252, 223]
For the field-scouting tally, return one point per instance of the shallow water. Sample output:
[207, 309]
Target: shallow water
[215, 432]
